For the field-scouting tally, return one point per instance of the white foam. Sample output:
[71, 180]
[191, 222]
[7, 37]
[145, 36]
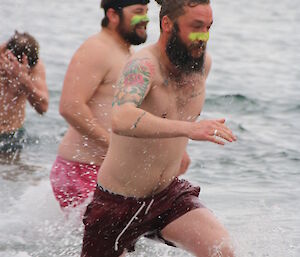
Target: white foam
[35, 222]
[15, 254]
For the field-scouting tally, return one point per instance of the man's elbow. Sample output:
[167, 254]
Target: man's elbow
[115, 124]
[42, 107]
[65, 110]
[118, 122]
[122, 120]
[69, 109]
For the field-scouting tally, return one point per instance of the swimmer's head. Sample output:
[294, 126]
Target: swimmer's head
[185, 24]
[175, 8]
[132, 18]
[21, 44]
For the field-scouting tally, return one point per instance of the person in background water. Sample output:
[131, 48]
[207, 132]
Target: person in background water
[87, 95]
[22, 78]
[161, 94]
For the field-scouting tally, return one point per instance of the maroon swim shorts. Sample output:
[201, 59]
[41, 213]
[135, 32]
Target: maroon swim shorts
[114, 223]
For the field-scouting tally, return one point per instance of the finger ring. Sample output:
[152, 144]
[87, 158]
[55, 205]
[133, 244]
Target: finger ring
[215, 132]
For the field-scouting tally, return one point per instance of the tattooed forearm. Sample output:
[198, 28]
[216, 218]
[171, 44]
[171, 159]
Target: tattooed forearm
[138, 120]
[133, 85]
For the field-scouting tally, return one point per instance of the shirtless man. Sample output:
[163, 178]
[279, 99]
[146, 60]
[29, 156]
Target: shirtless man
[161, 94]
[22, 78]
[87, 96]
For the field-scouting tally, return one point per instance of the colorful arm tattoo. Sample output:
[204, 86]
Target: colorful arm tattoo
[135, 80]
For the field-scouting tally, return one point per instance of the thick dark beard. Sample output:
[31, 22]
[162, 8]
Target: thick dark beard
[130, 36]
[180, 56]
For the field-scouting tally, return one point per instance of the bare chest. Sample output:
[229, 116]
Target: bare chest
[178, 100]
[101, 101]
[107, 86]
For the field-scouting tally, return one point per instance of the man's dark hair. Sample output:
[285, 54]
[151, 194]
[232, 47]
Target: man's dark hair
[175, 8]
[23, 43]
[105, 20]
[118, 6]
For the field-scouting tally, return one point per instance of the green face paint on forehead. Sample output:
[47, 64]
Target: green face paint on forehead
[199, 36]
[136, 19]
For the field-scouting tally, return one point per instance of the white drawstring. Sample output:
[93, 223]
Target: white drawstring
[148, 208]
[131, 220]
[127, 226]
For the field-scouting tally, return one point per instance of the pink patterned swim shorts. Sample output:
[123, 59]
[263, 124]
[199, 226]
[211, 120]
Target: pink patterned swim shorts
[72, 182]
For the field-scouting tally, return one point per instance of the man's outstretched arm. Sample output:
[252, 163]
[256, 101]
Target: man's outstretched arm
[128, 119]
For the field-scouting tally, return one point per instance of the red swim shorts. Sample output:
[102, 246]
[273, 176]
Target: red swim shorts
[114, 223]
[72, 182]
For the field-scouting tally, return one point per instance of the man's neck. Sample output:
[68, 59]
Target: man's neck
[117, 38]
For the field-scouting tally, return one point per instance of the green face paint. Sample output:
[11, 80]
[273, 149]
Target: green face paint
[136, 19]
[199, 36]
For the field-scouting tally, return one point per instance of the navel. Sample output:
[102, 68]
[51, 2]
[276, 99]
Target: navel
[164, 115]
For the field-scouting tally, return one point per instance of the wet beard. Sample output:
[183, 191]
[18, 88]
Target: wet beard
[180, 56]
[130, 36]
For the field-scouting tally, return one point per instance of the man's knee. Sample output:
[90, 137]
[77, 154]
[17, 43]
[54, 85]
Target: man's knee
[225, 249]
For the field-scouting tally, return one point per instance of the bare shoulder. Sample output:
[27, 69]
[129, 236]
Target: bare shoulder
[95, 41]
[143, 61]
[93, 51]
[136, 79]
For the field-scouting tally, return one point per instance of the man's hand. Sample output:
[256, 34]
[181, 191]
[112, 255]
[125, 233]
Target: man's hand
[15, 68]
[16, 73]
[211, 130]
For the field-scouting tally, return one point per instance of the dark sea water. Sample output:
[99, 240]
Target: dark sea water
[252, 185]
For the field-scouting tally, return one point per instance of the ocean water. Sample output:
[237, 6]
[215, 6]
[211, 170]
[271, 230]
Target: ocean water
[252, 185]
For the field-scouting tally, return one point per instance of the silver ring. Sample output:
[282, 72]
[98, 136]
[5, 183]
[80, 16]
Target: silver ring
[215, 132]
